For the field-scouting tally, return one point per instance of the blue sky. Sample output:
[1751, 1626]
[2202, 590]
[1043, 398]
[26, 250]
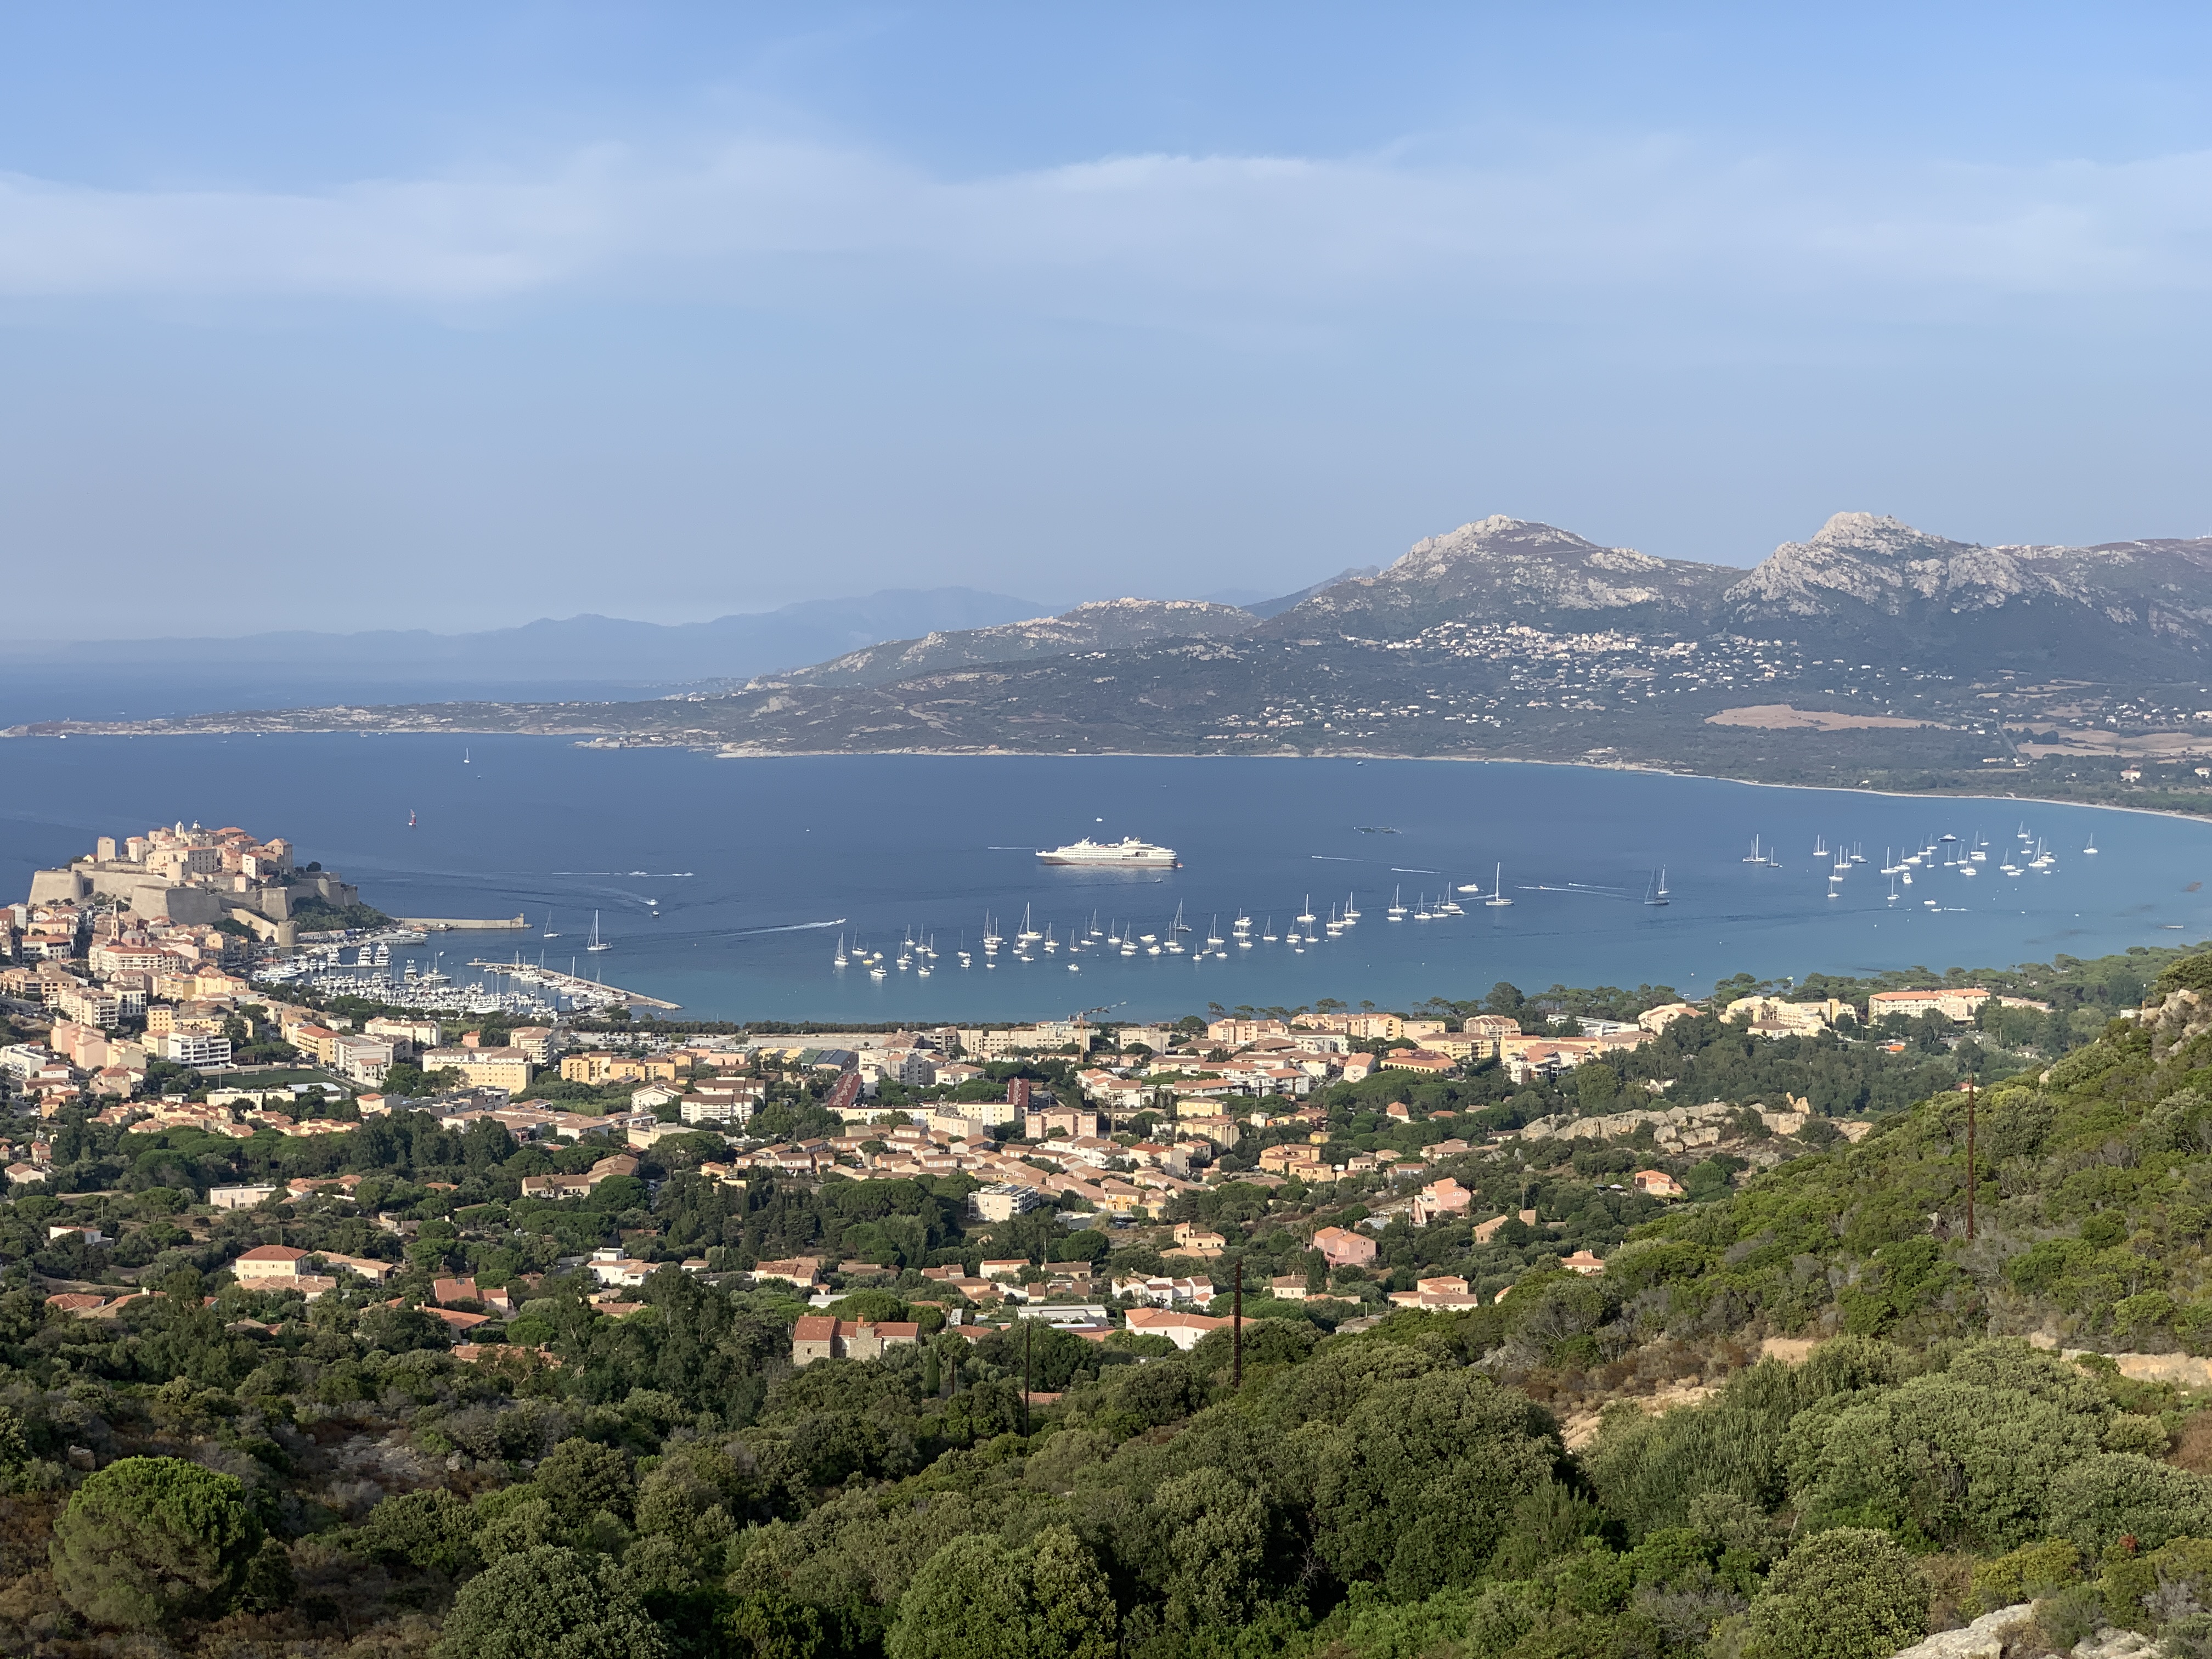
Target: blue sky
[420, 315]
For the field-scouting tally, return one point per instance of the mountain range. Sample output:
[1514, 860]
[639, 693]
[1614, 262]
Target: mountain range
[1871, 652]
[2139, 609]
[582, 647]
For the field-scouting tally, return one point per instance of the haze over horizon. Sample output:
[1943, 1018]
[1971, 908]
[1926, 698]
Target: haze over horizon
[424, 319]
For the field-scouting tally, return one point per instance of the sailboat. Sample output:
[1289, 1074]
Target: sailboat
[1497, 888]
[464, 757]
[1029, 935]
[1755, 856]
[549, 932]
[2091, 847]
[1351, 915]
[1658, 895]
[410, 818]
[838, 961]
[1306, 916]
[597, 943]
[1397, 910]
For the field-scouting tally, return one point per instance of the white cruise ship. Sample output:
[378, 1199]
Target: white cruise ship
[1129, 853]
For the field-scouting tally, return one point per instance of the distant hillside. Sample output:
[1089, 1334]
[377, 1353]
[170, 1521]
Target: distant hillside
[572, 648]
[1106, 625]
[1275, 607]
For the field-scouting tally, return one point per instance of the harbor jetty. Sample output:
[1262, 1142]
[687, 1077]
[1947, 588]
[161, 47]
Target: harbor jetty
[570, 985]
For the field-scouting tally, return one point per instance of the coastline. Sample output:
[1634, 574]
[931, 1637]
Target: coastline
[583, 736]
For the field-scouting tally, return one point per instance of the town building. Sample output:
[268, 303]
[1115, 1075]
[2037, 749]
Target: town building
[822, 1337]
[1183, 1329]
[1341, 1246]
[1958, 1006]
[481, 1068]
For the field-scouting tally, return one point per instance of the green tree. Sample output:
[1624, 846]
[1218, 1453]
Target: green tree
[1850, 1594]
[148, 1541]
[580, 1478]
[978, 1599]
[1964, 1457]
[2099, 1500]
[1217, 1548]
[431, 1527]
[1414, 1486]
[550, 1603]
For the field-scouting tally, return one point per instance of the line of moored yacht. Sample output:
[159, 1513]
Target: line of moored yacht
[1945, 852]
[1174, 937]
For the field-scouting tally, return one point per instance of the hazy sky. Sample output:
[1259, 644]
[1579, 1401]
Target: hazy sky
[454, 316]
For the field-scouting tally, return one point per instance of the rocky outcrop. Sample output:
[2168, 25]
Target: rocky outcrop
[1677, 1128]
[2107, 1644]
[1985, 1638]
[2178, 1017]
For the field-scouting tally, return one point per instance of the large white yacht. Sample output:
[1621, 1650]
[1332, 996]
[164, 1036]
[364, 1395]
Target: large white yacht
[1128, 852]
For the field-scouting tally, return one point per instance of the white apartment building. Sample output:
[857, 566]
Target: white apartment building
[195, 1048]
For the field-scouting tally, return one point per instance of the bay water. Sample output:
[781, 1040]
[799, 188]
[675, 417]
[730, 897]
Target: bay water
[726, 886]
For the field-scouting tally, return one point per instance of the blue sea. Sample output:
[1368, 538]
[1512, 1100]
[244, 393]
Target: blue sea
[726, 885]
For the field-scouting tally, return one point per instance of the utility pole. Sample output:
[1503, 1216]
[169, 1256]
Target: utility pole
[1028, 1329]
[1970, 1179]
[1236, 1330]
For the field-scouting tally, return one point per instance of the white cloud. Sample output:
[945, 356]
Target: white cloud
[1135, 235]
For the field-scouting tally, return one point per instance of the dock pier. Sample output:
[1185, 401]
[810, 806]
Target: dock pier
[570, 984]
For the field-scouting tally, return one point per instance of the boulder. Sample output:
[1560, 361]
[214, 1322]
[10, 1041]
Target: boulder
[1984, 1638]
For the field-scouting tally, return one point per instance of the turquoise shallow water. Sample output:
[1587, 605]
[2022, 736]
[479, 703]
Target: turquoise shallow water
[747, 861]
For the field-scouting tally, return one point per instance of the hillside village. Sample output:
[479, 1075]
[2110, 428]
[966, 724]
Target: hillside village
[1394, 1155]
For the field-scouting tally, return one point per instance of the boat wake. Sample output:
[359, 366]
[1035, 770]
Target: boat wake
[790, 927]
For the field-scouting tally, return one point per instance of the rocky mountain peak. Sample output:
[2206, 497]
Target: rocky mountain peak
[1874, 532]
[1499, 537]
[1500, 567]
[1882, 562]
